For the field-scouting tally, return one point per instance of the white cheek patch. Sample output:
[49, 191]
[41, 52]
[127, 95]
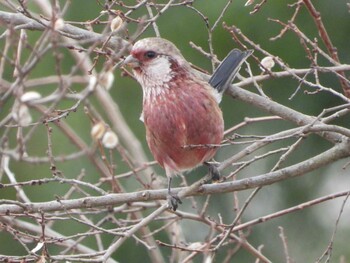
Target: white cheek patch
[155, 77]
[159, 70]
[154, 73]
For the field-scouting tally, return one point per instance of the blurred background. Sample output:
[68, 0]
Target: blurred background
[308, 231]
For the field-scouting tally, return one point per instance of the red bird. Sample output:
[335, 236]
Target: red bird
[180, 110]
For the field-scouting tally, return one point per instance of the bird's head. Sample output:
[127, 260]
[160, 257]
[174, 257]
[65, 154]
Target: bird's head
[156, 61]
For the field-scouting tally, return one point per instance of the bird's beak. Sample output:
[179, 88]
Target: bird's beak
[131, 61]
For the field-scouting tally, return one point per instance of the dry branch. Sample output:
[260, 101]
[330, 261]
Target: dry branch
[20, 21]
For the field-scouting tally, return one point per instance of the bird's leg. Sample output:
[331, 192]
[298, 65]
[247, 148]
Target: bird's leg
[213, 171]
[173, 199]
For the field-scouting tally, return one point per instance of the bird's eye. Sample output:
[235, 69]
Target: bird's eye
[150, 54]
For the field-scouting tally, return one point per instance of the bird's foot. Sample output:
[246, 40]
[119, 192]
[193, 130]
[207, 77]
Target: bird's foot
[173, 201]
[214, 172]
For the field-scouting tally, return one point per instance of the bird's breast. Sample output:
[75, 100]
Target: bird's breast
[183, 123]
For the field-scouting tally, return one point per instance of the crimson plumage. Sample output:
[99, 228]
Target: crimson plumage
[181, 111]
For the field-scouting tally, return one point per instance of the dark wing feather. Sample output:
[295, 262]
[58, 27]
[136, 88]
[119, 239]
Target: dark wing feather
[227, 70]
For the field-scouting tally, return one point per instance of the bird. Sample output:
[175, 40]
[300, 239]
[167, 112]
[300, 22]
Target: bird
[183, 121]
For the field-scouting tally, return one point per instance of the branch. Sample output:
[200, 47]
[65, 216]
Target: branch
[290, 73]
[29, 227]
[339, 151]
[280, 110]
[20, 21]
[328, 43]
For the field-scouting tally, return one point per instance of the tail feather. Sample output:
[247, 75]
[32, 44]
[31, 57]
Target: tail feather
[227, 70]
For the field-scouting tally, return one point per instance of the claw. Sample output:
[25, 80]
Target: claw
[213, 171]
[173, 201]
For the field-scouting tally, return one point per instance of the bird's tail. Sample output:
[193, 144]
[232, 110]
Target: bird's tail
[227, 70]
